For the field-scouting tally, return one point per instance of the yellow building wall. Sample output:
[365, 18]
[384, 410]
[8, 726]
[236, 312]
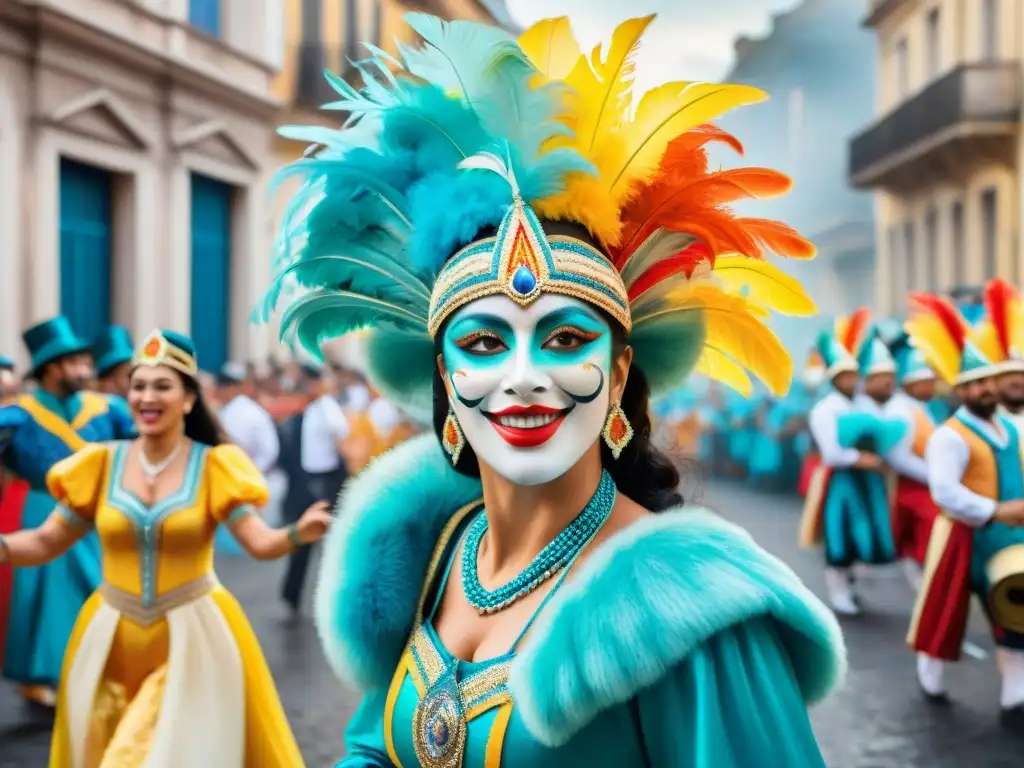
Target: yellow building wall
[960, 42]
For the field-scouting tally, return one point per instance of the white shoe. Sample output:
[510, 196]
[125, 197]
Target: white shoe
[840, 592]
[913, 573]
[931, 676]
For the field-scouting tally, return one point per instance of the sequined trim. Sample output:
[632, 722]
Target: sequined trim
[439, 549]
[145, 614]
[557, 264]
[65, 515]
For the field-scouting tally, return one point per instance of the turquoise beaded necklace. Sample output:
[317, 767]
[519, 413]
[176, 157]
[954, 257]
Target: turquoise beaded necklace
[552, 559]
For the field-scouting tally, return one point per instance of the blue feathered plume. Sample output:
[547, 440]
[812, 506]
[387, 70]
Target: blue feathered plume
[382, 203]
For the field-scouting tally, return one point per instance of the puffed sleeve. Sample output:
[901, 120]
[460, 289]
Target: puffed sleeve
[733, 703]
[76, 482]
[235, 483]
[364, 737]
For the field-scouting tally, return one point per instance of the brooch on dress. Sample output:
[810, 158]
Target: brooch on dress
[439, 724]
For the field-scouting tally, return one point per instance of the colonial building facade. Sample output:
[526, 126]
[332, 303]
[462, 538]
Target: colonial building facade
[136, 140]
[812, 65]
[944, 153]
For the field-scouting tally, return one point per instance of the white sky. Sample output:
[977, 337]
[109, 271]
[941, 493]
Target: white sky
[690, 39]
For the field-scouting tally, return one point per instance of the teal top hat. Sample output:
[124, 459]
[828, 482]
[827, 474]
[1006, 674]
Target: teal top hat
[873, 357]
[51, 340]
[974, 364]
[6, 363]
[112, 347]
[835, 356]
[910, 363]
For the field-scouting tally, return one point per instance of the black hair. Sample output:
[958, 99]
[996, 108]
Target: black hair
[200, 423]
[642, 472]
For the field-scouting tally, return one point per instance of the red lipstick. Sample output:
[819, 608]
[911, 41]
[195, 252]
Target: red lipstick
[536, 424]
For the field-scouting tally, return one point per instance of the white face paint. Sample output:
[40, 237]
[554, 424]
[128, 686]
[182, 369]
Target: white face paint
[530, 387]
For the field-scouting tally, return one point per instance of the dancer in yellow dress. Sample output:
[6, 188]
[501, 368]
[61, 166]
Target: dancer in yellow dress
[163, 669]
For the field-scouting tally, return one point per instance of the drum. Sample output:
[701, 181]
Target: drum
[1001, 549]
[1005, 571]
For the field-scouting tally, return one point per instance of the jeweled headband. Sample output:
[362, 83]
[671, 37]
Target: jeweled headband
[522, 262]
[157, 349]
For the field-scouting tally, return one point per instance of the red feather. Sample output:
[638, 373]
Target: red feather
[702, 135]
[856, 325]
[944, 310]
[684, 263]
[998, 296]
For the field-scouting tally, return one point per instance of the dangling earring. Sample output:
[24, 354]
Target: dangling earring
[617, 431]
[452, 438]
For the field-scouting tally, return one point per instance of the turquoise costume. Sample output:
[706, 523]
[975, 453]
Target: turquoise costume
[719, 673]
[37, 431]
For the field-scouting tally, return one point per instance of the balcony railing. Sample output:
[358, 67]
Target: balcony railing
[972, 99]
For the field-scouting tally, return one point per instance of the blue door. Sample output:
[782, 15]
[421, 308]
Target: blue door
[204, 15]
[211, 270]
[86, 245]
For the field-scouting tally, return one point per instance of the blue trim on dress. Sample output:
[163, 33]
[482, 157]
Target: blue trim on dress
[148, 521]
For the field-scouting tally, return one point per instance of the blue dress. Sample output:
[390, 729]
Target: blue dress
[718, 673]
[36, 432]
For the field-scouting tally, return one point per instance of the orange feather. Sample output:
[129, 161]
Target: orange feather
[684, 263]
[945, 312]
[850, 331]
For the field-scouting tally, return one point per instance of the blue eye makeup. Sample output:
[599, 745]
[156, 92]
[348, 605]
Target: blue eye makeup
[568, 333]
[477, 340]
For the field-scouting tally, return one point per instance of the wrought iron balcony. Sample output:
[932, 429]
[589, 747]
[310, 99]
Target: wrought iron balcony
[976, 108]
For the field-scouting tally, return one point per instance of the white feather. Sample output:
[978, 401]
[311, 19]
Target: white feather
[660, 244]
[488, 161]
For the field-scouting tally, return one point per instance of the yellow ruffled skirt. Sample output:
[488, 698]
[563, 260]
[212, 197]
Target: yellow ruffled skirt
[192, 688]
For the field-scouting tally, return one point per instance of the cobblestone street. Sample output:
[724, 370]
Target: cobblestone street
[879, 720]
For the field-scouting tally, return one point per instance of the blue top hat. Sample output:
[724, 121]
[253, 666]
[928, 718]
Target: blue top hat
[51, 340]
[834, 355]
[112, 347]
[6, 363]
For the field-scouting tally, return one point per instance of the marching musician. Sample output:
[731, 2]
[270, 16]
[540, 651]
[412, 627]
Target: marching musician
[977, 545]
[846, 504]
[915, 509]
[1001, 338]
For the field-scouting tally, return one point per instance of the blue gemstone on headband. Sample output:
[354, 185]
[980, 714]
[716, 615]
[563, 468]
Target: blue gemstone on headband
[523, 281]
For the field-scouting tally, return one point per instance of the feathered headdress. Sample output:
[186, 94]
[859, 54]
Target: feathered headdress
[943, 336]
[467, 144]
[911, 365]
[1000, 335]
[838, 348]
[873, 356]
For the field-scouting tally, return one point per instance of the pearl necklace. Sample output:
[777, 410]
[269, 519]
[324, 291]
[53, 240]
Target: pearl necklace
[556, 556]
[153, 471]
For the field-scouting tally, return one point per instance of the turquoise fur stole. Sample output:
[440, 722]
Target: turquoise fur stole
[653, 593]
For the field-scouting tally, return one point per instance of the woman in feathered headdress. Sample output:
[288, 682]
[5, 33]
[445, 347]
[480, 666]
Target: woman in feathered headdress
[535, 249]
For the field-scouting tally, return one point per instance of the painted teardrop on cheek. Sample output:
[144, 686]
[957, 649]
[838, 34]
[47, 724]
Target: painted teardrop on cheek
[583, 383]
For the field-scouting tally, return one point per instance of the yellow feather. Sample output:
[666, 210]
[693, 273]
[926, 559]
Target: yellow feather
[987, 340]
[1017, 325]
[734, 329]
[766, 284]
[930, 336]
[603, 83]
[720, 367]
[663, 114]
[551, 47]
